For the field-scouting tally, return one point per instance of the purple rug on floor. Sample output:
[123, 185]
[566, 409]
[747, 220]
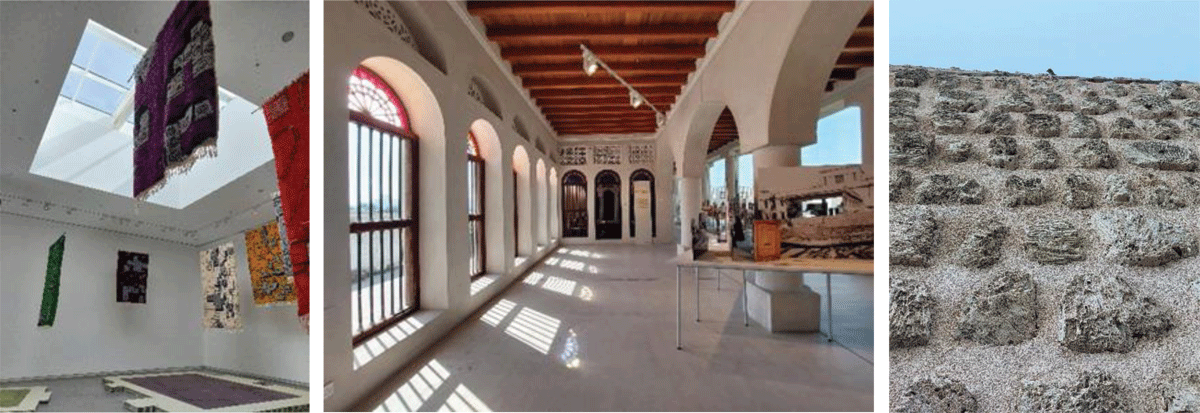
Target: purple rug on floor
[207, 392]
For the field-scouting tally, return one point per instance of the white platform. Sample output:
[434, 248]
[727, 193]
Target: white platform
[158, 402]
[36, 395]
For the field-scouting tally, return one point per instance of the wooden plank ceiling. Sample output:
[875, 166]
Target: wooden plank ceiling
[859, 52]
[653, 45]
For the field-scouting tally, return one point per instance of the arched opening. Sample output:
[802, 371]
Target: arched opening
[608, 205]
[574, 205]
[492, 196]
[477, 253]
[642, 175]
[543, 235]
[522, 209]
[552, 217]
[383, 220]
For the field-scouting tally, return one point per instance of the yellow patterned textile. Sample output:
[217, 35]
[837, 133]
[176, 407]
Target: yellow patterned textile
[269, 275]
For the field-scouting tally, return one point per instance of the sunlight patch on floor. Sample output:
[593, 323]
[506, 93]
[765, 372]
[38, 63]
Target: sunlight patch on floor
[534, 278]
[573, 265]
[385, 340]
[463, 400]
[496, 314]
[534, 328]
[413, 394]
[560, 285]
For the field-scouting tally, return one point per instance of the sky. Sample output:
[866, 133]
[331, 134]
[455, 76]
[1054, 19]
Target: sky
[1157, 40]
[839, 140]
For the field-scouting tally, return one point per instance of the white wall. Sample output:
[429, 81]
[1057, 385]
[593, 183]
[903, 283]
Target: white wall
[93, 332]
[272, 342]
[442, 114]
[662, 188]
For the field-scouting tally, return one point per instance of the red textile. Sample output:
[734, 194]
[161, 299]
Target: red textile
[287, 122]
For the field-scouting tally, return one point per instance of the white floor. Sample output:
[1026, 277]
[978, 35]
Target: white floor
[593, 328]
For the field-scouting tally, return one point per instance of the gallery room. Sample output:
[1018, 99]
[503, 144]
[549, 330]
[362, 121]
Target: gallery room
[536, 206]
[153, 206]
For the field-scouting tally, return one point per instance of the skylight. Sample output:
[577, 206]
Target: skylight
[89, 138]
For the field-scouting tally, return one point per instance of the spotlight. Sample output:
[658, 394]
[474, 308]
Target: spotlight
[659, 118]
[636, 99]
[590, 62]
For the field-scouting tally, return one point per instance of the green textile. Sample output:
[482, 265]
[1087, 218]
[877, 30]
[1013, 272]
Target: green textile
[12, 397]
[50, 291]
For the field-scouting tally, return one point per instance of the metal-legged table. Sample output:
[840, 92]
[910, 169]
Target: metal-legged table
[800, 267]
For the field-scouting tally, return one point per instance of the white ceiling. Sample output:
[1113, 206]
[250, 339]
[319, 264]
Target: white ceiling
[39, 40]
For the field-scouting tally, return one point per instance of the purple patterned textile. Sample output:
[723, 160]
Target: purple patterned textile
[175, 104]
[207, 392]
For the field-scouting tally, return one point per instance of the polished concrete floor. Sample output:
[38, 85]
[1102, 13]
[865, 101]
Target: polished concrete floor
[592, 328]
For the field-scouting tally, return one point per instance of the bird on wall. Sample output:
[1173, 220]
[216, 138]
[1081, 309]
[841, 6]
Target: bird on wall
[1051, 72]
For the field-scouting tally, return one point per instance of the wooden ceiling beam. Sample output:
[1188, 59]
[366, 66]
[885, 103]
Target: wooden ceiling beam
[607, 53]
[622, 68]
[521, 8]
[637, 125]
[868, 20]
[642, 113]
[583, 81]
[623, 110]
[588, 101]
[860, 43]
[606, 132]
[614, 91]
[501, 34]
[842, 74]
[586, 119]
[854, 61]
[648, 129]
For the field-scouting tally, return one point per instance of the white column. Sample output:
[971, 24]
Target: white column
[730, 189]
[780, 301]
[690, 194]
[773, 156]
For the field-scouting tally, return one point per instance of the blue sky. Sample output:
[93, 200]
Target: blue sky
[1139, 39]
[839, 140]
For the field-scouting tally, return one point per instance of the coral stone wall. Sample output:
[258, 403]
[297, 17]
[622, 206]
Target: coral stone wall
[1044, 243]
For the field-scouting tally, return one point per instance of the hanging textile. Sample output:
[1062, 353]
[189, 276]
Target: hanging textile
[269, 277]
[283, 239]
[133, 268]
[219, 277]
[175, 103]
[50, 289]
[287, 123]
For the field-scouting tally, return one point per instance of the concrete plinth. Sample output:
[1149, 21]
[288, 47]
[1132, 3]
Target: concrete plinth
[795, 308]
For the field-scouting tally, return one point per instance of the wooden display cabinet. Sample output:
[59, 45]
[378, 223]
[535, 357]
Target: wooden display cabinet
[766, 240]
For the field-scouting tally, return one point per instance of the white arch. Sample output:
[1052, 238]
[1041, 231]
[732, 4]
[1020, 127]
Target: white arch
[427, 122]
[540, 224]
[553, 212]
[493, 194]
[521, 203]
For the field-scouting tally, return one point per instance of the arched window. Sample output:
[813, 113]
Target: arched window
[382, 207]
[642, 175]
[608, 205]
[516, 213]
[574, 205]
[475, 205]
